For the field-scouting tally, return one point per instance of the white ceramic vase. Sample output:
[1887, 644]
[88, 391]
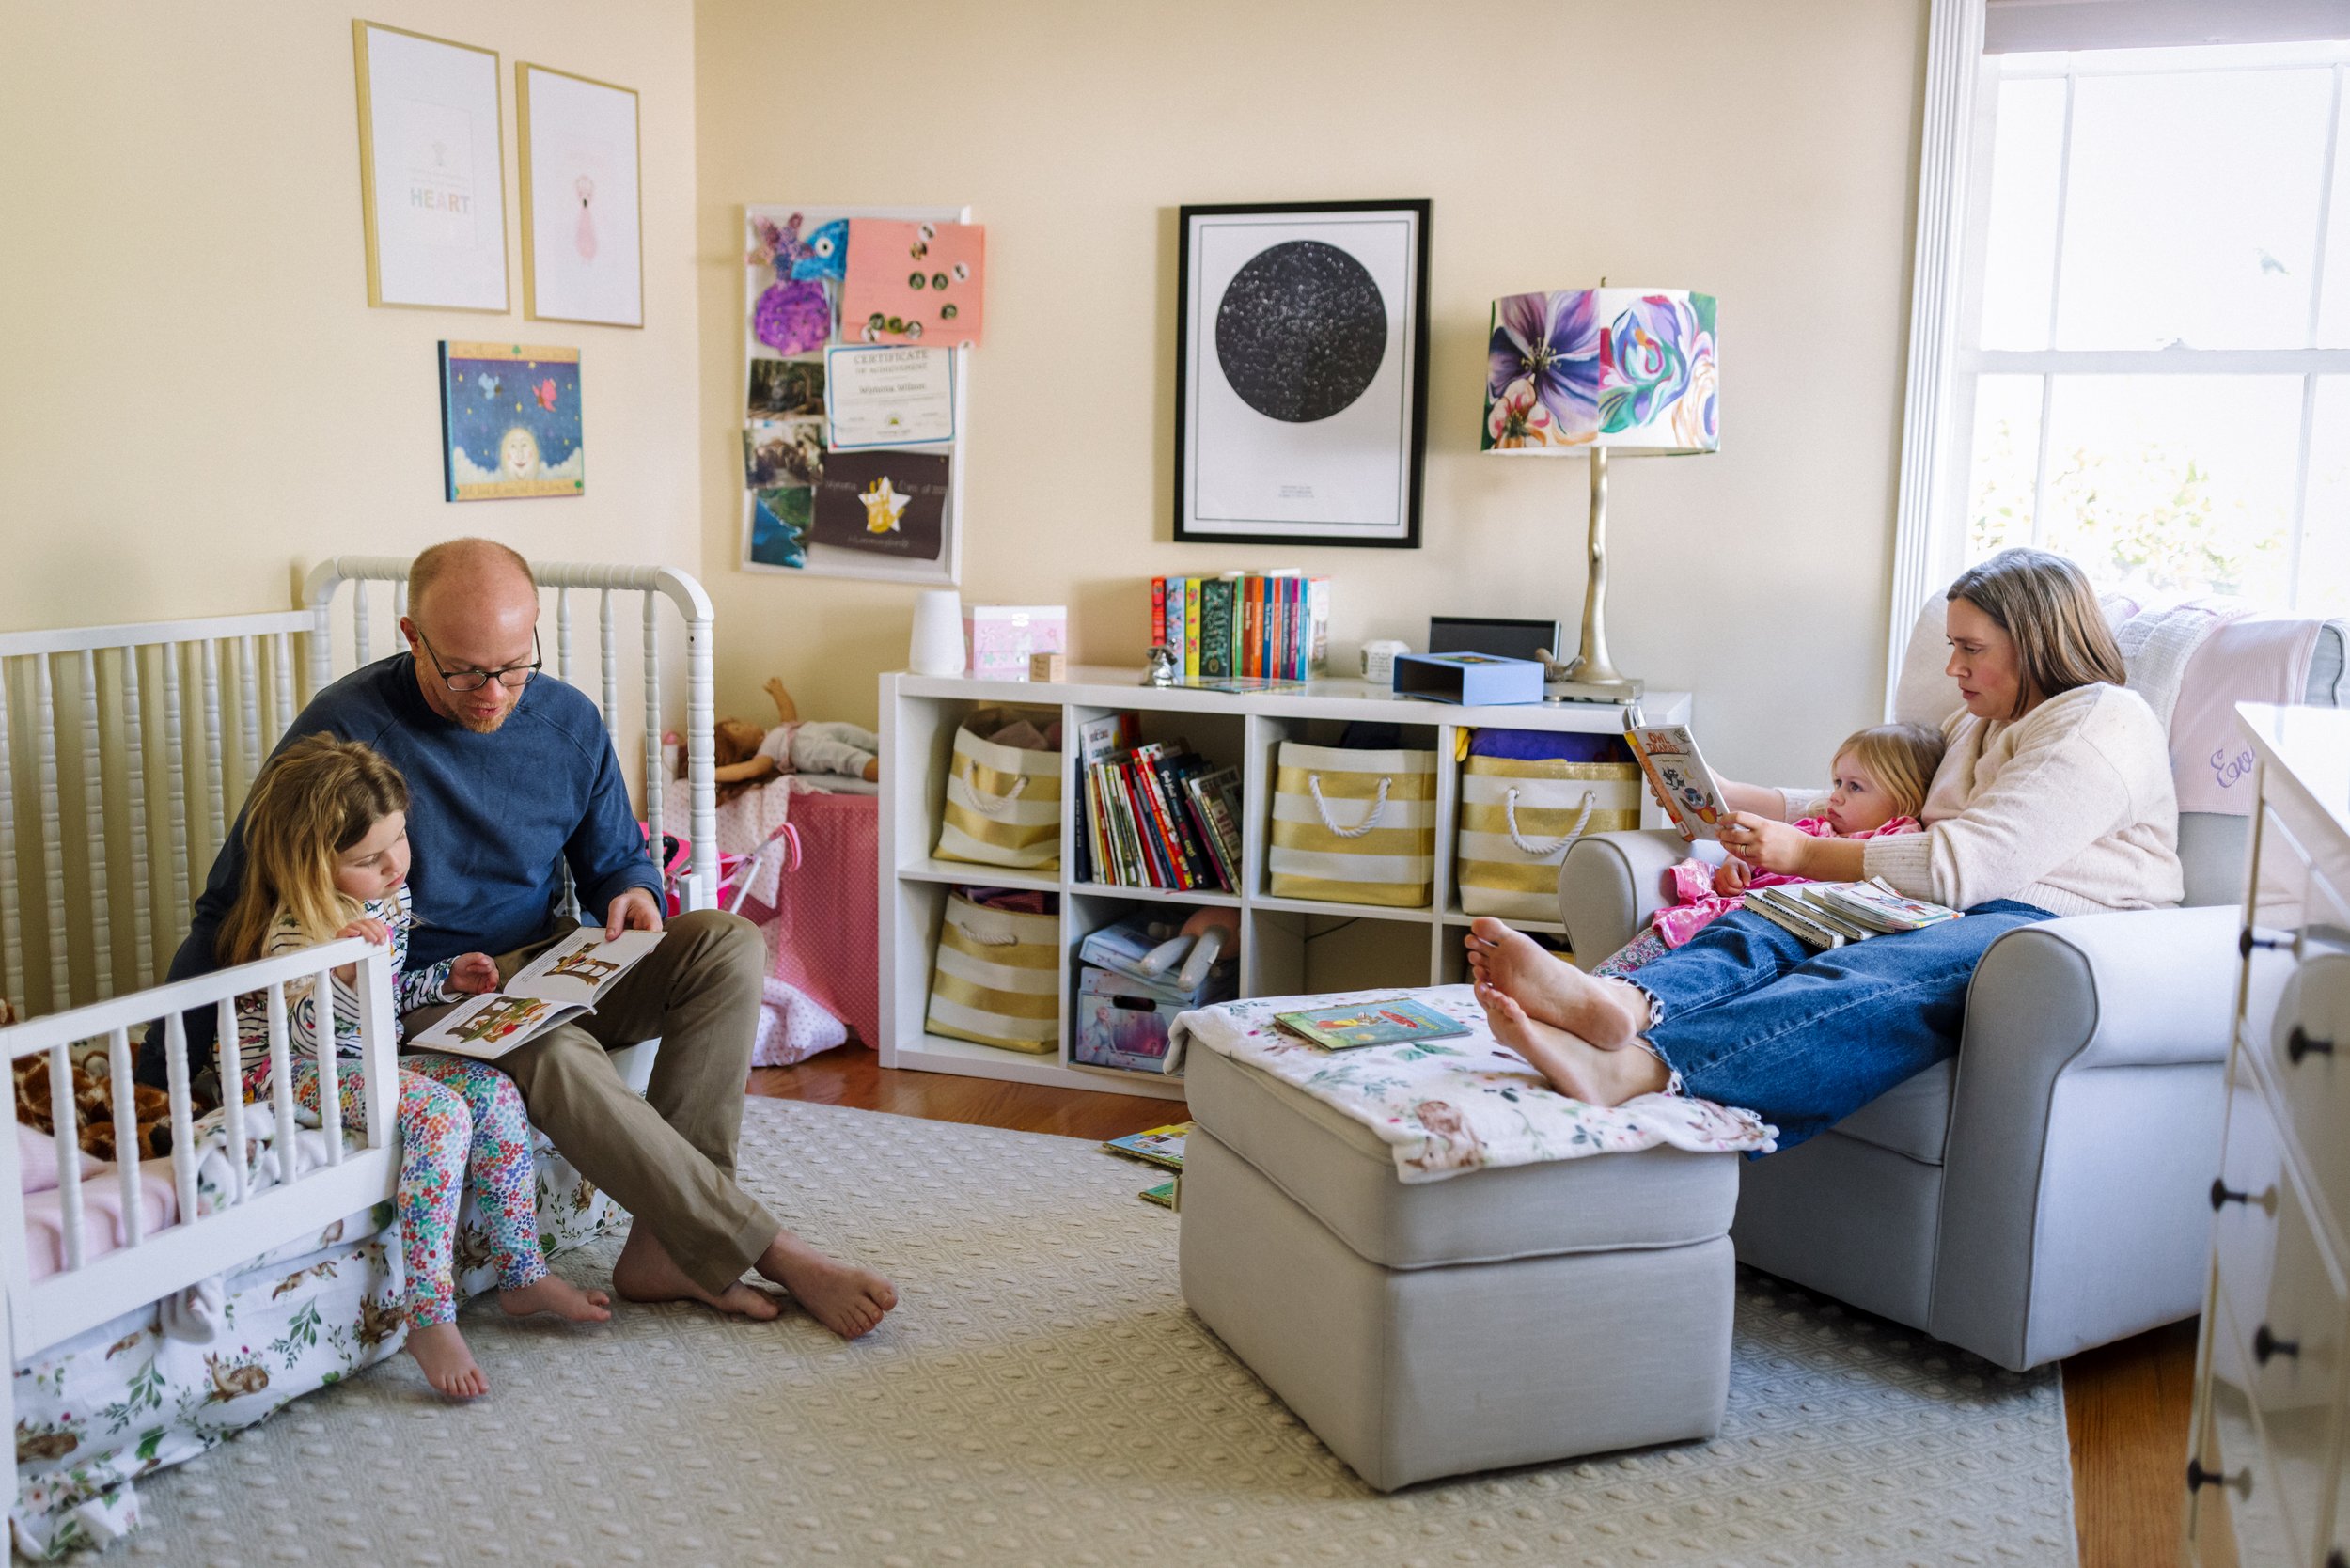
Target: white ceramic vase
[937, 648]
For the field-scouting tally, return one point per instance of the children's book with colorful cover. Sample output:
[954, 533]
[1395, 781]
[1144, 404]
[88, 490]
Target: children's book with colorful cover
[1165, 1195]
[1876, 904]
[1397, 1021]
[1160, 1146]
[1669, 753]
[560, 984]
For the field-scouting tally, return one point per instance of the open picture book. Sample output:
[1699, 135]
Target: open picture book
[558, 986]
[1676, 770]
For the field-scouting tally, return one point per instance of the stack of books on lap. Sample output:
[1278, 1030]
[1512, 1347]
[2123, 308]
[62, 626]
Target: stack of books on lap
[1157, 815]
[1243, 625]
[1830, 914]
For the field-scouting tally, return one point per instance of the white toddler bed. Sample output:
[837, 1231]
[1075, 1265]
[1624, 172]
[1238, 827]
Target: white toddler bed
[174, 1303]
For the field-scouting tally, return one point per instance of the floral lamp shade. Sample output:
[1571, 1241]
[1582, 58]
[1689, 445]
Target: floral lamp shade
[1632, 370]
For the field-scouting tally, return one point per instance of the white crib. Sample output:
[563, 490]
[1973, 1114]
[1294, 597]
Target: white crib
[125, 752]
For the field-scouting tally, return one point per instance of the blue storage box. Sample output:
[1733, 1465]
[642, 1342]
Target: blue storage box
[1472, 680]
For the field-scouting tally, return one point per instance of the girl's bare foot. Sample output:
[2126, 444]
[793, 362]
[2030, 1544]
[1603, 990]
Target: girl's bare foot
[646, 1272]
[447, 1361]
[1606, 1013]
[558, 1295]
[844, 1298]
[1574, 1067]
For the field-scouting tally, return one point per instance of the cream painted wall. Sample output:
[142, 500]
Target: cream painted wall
[1761, 152]
[196, 396]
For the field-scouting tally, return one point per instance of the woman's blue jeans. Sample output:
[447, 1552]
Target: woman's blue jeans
[1749, 1015]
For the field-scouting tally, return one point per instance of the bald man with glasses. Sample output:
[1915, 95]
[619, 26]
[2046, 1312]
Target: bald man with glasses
[514, 779]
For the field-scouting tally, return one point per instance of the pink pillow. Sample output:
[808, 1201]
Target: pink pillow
[37, 1159]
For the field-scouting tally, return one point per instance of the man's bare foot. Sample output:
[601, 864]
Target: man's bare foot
[1606, 1013]
[646, 1272]
[1574, 1067]
[844, 1298]
[558, 1295]
[447, 1361]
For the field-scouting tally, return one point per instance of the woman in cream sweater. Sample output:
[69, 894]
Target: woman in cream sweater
[2054, 798]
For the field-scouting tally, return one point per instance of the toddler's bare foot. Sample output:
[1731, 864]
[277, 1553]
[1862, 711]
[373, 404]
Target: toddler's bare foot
[1604, 1013]
[1574, 1067]
[558, 1295]
[447, 1361]
[844, 1298]
[646, 1272]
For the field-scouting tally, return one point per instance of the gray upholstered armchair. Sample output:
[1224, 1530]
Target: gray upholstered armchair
[2047, 1190]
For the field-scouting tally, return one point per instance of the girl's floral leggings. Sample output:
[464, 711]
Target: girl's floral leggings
[460, 1120]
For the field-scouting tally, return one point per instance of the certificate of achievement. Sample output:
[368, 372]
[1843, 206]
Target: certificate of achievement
[876, 395]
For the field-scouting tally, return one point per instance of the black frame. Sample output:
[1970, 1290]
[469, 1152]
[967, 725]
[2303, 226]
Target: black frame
[1302, 533]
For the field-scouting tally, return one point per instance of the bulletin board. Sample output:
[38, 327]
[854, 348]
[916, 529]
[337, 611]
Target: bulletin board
[853, 439]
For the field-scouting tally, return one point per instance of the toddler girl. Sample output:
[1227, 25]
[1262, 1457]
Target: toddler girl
[326, 846]
[1881, 778]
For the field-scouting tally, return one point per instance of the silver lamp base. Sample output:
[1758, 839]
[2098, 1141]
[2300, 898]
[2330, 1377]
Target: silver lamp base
[1591, 676]
[1617, 691]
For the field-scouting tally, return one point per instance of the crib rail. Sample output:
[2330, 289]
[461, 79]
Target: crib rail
[90, 1288]
[560, 581]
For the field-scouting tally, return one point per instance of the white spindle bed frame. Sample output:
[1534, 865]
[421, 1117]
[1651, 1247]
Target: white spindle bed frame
[160, 766]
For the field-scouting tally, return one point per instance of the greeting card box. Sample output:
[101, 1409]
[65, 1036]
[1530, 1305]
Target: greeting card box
[1002, 637]
[1470, 679]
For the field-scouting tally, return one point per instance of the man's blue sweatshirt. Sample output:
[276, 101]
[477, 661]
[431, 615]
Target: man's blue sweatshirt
[490, 819]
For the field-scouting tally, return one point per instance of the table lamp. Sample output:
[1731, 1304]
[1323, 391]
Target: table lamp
[1600, 370]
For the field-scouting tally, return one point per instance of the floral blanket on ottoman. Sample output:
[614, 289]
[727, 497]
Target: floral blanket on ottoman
[1448, 1105]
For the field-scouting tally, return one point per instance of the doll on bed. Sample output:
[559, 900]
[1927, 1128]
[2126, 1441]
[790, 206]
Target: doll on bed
[748, 755]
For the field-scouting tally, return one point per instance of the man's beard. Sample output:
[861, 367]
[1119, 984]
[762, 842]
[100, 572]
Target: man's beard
[481, 725]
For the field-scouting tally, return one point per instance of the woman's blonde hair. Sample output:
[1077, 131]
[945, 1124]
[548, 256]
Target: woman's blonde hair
[1900, 757]
[314, 800]
[2045, 603]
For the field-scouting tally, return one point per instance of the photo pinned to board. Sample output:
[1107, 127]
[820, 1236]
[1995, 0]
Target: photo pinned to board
[896, 514]
[510, 422]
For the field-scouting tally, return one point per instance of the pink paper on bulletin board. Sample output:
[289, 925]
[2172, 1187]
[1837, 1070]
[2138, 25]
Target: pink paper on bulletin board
[912, 283]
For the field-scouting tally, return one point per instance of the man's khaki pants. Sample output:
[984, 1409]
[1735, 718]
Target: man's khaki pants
[667, 1158]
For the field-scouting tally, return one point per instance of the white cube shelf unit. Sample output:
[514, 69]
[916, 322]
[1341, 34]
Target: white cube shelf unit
[1287, 946]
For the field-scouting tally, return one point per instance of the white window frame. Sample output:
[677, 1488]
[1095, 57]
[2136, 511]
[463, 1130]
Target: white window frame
[1929, 525]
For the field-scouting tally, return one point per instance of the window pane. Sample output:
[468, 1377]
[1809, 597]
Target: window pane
[2333, 298]
[2325, 521]
[2175, 484]
[2019, 247]
[2191, 210]
[2006, 465]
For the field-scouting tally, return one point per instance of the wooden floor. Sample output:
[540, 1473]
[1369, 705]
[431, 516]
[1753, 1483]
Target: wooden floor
[2127, 1405]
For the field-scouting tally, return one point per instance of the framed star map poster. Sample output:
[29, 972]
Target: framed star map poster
[509, 422]
[852, 441]
[1301, 377]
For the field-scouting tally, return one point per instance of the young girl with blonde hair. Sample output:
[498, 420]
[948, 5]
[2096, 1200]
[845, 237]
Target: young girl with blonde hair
[326, 845]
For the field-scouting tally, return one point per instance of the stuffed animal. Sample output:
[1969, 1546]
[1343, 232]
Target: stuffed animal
[94, 1109]
[747, 755]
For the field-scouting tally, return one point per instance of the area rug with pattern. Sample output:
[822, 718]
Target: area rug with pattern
[1043, 1397]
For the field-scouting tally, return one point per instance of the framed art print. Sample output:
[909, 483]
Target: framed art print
[583, 250]
[1301, 379]
[431, 170]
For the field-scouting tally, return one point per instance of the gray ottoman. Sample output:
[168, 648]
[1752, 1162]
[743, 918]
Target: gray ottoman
[1509, 1316]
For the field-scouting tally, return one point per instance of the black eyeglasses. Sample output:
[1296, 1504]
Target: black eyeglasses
[473, 677]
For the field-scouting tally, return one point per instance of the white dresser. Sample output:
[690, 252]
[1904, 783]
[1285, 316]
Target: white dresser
[2268, 1482]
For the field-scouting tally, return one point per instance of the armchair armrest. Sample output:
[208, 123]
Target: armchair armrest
[1609, 884]
[2084, 1128]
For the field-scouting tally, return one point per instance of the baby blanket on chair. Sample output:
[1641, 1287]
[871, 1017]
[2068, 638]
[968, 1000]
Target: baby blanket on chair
[1448, 1105]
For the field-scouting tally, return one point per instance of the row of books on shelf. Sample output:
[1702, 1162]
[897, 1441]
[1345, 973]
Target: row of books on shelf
[1157, 815]
[1244, 625]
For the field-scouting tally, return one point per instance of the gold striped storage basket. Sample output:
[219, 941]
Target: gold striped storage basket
[1355, 826]
[1518, 816]
[1003, 804]
[997, 981]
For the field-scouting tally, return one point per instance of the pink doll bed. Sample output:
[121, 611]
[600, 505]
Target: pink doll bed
[819, 918]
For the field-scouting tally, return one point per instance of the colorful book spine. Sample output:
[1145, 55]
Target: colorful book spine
[1192, 586]
[1158, 612]
[1317, 627]
[1174, 644]
[1216, 628]
[1252, 626]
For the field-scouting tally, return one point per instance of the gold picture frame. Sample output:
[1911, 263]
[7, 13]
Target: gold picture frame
[579, 281]
[404, 272]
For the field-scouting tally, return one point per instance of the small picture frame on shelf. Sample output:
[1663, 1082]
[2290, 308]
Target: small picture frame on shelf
[1301, 377]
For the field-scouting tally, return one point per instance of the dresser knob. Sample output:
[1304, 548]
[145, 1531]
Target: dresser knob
[2253, 937]
[2336, 1559]
[2265, 1345]
[2222, 1194]
[2299, 1045]
[2198, 1478]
